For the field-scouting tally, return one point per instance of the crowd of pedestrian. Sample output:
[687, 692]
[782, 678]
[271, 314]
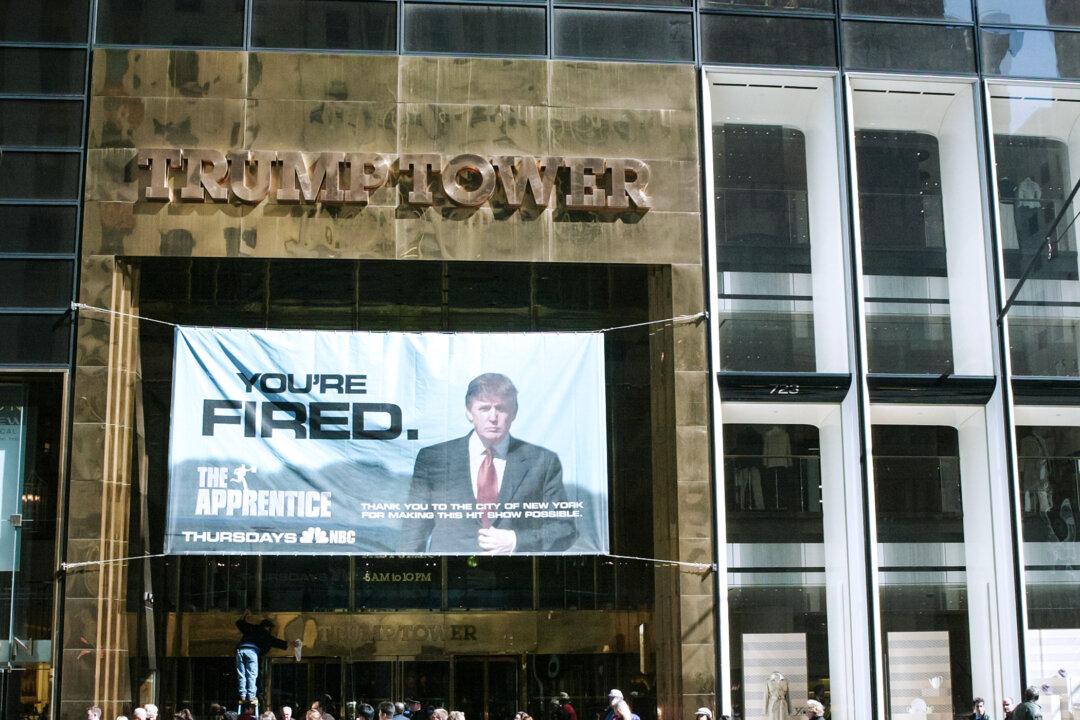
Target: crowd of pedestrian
[617, 709]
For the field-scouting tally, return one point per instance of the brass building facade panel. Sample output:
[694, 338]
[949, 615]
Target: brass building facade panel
[420, 634]
[235, 101]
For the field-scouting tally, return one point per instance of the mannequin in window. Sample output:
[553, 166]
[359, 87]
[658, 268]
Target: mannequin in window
[777, 458]
[1026, 214]
[748, 450]
[1035, 464]
[777, 704]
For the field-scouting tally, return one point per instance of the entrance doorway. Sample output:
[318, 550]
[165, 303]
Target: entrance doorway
[298, 684]
[427, 681]
[486, 688]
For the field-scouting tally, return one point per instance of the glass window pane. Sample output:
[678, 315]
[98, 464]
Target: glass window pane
[37, 228]
[631, 3]
[394, 296]
[1035, 146]
[1050, 513]
[472, 297]
[482, 582]
[42, 70]
[767, 40]
[779, 250]
[935, 9]
[894, 46]
[398, 583]
[43, 176]
[1031, 53]
[34, 338]
[39, 481]
[214, 23]
[36, 283]
[921, 229]
[369, 682]
[319, 296]
[917, 484]
[624, 35]
[900, 206]
[480, 29]
[772, 473]
[1030, 12]
[225, 583]
[822, 6]
[779, 643]
[52, 123]
[1033, 182]
[327, 24]
[923, 582]
[44, 20]
[773, 495]
[305, 584]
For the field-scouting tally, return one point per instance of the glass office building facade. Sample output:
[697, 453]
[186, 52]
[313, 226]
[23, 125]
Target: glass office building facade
[882, 466]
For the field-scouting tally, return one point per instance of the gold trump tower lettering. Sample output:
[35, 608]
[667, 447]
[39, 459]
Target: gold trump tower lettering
[340, 178]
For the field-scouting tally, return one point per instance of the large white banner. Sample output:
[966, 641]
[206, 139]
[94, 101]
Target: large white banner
[299, 441]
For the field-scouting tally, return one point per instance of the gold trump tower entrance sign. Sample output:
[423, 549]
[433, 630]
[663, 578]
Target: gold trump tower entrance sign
[341, 178]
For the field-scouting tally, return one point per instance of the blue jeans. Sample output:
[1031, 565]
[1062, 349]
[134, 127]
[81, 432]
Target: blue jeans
[247, 672]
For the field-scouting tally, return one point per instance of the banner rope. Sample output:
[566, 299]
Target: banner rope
[69, 566]
[698, 566]
[695, 317]
[673, 320]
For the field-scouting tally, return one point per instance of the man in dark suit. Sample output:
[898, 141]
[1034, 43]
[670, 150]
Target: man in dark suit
[488, 467]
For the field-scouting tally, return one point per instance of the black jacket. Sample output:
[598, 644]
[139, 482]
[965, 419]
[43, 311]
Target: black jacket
[442, 475]
[257, 638]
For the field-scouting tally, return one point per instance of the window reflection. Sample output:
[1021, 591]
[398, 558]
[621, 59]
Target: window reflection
[909, 46]
[776, 225]
[934, 9]
[1049, 462]
[762, 230]
[927, 646]
[779, 646]
[917, 484]
[1034, 143]
[225, 583]
[314, 584]
[213, 23]
[1049, 487]
[398, 583]
[922, 578]
[746, 39]
[921, 227]
[1031, 53]
[777, 616]
[477, 583]
[484, 29]
[1032, 176]
[325, 24]
[823, 6]
[624, 34]
[40, 176]
[1029, 12]
[903, 238]
[773, 483]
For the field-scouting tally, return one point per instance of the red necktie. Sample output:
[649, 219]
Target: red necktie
[487, 485]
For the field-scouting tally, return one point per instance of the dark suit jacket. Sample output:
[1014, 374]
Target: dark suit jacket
[442, 475]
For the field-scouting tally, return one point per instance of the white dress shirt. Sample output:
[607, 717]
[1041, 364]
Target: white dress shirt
[476, 457]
